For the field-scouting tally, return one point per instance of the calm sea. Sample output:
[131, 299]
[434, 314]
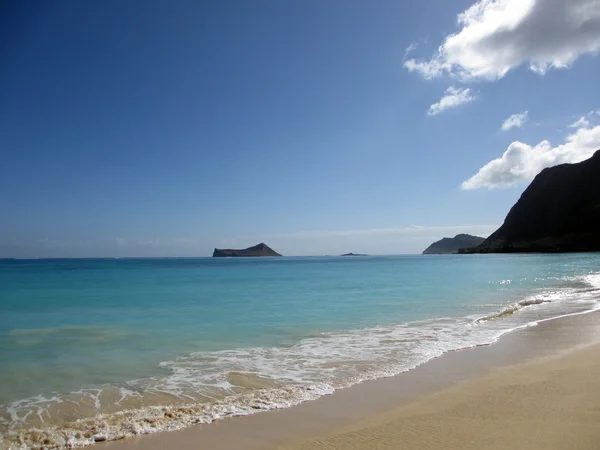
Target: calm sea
[120, 347]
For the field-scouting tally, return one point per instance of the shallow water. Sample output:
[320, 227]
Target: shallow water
[130, 346]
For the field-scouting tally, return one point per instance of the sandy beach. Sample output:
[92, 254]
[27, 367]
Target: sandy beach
[537, 388]
[553, 404]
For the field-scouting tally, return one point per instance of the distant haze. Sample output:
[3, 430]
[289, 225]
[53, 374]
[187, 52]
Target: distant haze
[310, 243]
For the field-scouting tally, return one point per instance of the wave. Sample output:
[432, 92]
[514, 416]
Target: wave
[509, 310]
[135, 422]
[581, 287]
[206, 386]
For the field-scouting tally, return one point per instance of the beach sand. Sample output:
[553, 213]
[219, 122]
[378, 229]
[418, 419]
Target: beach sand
[553, 404]
[537, 388]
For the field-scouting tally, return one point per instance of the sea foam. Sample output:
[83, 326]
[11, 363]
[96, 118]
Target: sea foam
[205, 386]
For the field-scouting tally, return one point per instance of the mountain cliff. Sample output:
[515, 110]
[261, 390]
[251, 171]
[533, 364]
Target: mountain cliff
[452, 245]
[558, 212]
[258, 250]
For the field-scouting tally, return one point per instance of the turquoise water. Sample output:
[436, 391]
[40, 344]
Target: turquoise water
[85, 339]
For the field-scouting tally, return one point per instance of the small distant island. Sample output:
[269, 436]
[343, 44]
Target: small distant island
[354, 254]
[258, 250]
[558, 212]
[452, 245]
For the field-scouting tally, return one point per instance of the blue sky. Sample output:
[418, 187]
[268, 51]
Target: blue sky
[170, 128]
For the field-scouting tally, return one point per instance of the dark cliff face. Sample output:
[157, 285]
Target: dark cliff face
[452, 245]
[258, 250]
[558, 212]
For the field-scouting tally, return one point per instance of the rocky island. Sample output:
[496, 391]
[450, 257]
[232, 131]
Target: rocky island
[558, 212]
[452, 245]
[261, 249]
[354, 254]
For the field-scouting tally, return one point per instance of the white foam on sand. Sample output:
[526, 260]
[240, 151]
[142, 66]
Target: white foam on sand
[206, 386]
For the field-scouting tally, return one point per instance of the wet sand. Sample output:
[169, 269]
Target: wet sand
[537, 388]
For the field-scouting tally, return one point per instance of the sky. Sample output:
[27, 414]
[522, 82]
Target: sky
[170, 128]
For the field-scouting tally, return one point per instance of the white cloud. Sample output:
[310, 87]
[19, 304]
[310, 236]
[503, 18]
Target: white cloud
[496, 36]
[516, 120]
[452, 98]
[522, 162]
[411, 48]
[582, 122]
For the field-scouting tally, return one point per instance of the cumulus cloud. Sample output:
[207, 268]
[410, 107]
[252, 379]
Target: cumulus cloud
[515, 121]
[452, 98]
[496, 36]
[522, 162]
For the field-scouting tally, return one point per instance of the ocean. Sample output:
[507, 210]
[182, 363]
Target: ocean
[111, 348]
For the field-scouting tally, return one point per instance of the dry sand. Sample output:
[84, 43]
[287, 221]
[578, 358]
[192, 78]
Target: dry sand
[538, 388]
[553, 404]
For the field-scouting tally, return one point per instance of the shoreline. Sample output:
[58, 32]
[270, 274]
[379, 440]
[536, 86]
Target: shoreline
[358, 405]
[547, 404]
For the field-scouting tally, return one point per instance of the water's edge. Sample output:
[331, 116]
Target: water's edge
[110, 427]
[434, 316]
[527, 345]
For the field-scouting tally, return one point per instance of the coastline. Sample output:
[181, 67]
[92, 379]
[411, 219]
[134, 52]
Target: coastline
[270, 368]
[514, 374]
